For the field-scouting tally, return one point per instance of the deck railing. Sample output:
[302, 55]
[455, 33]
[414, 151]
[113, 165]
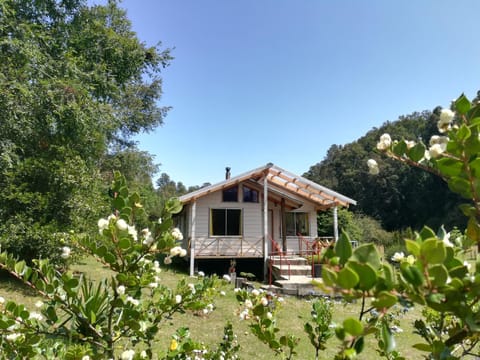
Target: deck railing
[313, 248]
[276, 252]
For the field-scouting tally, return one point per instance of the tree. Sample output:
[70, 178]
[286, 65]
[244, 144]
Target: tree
[76, 83]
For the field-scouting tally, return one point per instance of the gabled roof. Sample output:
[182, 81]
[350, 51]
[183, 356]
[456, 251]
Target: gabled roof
[283, 181]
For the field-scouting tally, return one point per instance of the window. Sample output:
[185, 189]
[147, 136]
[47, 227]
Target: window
[250, 195]
[297, 223]
[231, 194]
[225, 222]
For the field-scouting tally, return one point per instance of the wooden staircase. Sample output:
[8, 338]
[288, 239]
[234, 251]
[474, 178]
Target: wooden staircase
[291, 275]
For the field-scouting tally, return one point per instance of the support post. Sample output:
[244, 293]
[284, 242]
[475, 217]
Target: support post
[265, 226]
[192, 242]
[335, 223]
[284, 225]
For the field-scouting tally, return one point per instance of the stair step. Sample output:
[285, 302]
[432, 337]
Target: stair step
[292, 260]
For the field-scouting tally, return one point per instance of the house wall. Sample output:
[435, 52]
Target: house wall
[250, 244]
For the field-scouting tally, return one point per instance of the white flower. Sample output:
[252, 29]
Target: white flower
[175, 251]
[269, 315]
[446, 117]
[437, 139]
[236, 290]
[128, 355]
[122, 224]
[280, 299]
[102, 225]
[177, 234]
[183, 253]
[372, 167]
[13, 337]
[178, 299]
[446, 240]
[255, 292]
[437, 149]
[160, 220]
[156, 267]
[385, 142]
[66, 252]
[192, 288]
[467, 265]
[86, 357]
[398, 256]
[167, 260]
[133, 232]
[244, 315]
[143, 354]
[148, 240]
[153, 285]
[227, 278]
[223, 293]
[121, 290]
[201, 274]
[264, 301]
[35, 316]
[39, 304]
[410, 144]
[248, 303]
[133, 301]
[2, 300]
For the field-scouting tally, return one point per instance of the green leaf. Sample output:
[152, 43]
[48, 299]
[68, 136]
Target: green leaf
[411, 274]
[413, 247]
[463, 133]
[439, 274]
[423, 347]
[353, 326]
[124, 243]
[417, 152]
[387, 338]
[426, 233]
[367, 254]
[347, 278]
[343, 248]
[460, 186]
[450, 167]
[367, 275]
[400, 148]
[462, 104]
[433, 250]
[384, 299]
[329, 277]
[359, 345]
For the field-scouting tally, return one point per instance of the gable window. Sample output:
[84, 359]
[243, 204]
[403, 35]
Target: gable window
[225, 222]
[250, 195]
[297, 223]
[230, 194]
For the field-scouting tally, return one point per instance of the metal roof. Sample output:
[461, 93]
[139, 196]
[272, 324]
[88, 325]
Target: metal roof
[284, 181]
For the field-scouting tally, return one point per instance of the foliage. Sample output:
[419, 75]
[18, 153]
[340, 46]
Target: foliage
[320, 331]
[402, 196]
[79, 318]
[76, 84]
[434, 274]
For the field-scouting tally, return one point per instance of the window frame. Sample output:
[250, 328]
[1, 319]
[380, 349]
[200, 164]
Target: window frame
[240, 221]
[295, 222]
[252, 190]
[229, 189]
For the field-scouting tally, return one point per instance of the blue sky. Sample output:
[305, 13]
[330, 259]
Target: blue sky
[258, 81]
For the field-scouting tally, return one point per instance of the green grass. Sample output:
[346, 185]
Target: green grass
[209, 329]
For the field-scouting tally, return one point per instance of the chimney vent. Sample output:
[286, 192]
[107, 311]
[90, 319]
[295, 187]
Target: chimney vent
[227, 173]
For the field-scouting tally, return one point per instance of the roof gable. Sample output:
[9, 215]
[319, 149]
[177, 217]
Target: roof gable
[283, 181]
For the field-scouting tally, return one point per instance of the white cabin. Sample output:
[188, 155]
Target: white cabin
[253, 214]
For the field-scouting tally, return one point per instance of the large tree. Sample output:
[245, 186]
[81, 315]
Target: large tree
[76, 83]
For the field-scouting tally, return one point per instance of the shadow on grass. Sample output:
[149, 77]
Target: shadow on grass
[10, 283]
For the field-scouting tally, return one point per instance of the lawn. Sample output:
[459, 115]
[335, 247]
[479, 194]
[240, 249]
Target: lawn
[209, 329]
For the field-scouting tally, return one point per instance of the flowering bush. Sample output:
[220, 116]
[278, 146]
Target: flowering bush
[434, 273]
[114, 318]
